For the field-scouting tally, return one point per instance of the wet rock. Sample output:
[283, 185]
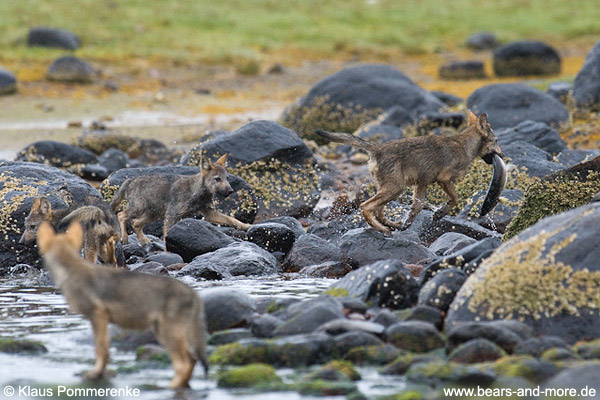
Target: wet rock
[272, 236]
[560, 91]
[559, 354]
[264, 325]
[307, 321]
[242, 258]
[320, 387]
[153, 354]
[426, 313]
[19, 183]
[429, 230]
[355, 95]
[302, 350]
[462, 70]
[570, 157]
[242, 352]
[56, 154]
[497, 219]
[538, 345]
[450, 242]
[482, 41]
[229, 336]
[192, 237]
[556, 193]
[291, 223]
[440, 290]
[438, 372]
[508, 104]
[113, 160]
[586, 87]
[476, 351]
[352, 339]
[52, 37]
[241, 204]
[415, 336]
[131, 340]
[589, 350]
[364, 246]
[70, 69]
[533, 160]
[274, 304]
[226, 308]
[383, 317]
[310, 250]
[536, 133]
[151, 267]
[165, 258]
[526, 58]
[527, 367]
[295, 308]
[339, 326]
[90, 172]
[330, 269]
[372, 355]
[490, 330]
[274, 161]
[386, 283]
[446, 98]
[344, 368]
[248, 376]
[20, 346]
[578, 377]
[402, 363]
[8, 82]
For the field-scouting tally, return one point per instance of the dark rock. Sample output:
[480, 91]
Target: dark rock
[241, 204]
[290, 222]
[449, 243]
[192, 237]
[19, 183]
[532, 159]
[379, 133]
[426, 313]
[302, 350]
[274, 304]
[476, 351]
[364, 246]
[386, 283]
[353, 306]
[508, 104]
[440, 290]
[20, 346]
[151, 267]
[569, 157]
[131, 340]
[355, 95]
[494, 331]
[560, 91]
[330, 269]
[133, 250]
[578, 377]
[165, 258]
[538, 345]
[536, 133]
[228, 336]
[152, 354]
[586, 87]
[497, 219]
[438, 372]
[90, 172]
[383, 317]
[526, 58]
[482, 41]
[429, 121]
[242, 258]
[430, 230]
[372, 355]
[310, 250]
[272, 236]
[588, 350]
[226, 308]
[560, 354]
[51, 37]
[339, 326]
[302, 307]
[56, 154]
[264, 325]
[349, 340]
[70, 69]
[448, 99]
[307, 321]
[415, 336]
[8, 82]
[113, 160]
[458, 70]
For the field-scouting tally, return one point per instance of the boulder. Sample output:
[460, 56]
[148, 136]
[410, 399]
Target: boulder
[244, 258]
[356, 338]
[508, 104]
[425, 313]
[52, 37]
[440, 290]
[8, 82]
[556, 261]
[165, 258]
[560, 91]
[431, 120]
[192, 237]
[482, 41]
[385, 283]
[226, 308]
[476, 351]
[415, 336]
[56, 154]
[533, 160]
[291, 223]
[307, 321]
[448, 99]
[536, 133]
[339, 326]
[272, 237]
[536, 346]
[329, 269]
[309, 250]
[450, 242]
[274, 161]
[19, 183]
[462, 70]
[586, 87]
[113, 160]
[70, 69]
[569, 157]
[581, 378]
[349, 98]
[526, 58]
[506, 334]
[241, 204]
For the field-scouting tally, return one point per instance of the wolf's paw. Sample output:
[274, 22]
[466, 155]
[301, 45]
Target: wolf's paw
[440, 213]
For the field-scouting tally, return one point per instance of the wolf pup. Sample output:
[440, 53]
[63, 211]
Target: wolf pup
[172, 198]
[100, 237]
[419, 162]
[129, 299]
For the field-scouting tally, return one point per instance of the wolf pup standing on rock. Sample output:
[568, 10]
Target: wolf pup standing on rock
[99, 238]
[421, 161]
[129, 299]
[172, 198]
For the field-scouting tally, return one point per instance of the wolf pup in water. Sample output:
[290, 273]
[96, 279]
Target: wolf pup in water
[129, 299]
[172, 198]
[421, 161]
[99, 238]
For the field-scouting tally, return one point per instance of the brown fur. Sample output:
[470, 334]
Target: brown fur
[419, 162]
[129, 299]
[100, 237]
[172, 198]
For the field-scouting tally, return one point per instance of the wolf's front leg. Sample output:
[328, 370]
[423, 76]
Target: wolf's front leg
[216, 217]
[100, 319]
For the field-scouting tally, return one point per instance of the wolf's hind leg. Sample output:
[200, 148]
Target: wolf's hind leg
[138, 225]
[173, 337]
[100, 319]
[372, 209]
[418, 204]
[216, 217]
[123, 223]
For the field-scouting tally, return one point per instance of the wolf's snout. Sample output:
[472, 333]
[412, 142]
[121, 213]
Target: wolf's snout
[226, 191]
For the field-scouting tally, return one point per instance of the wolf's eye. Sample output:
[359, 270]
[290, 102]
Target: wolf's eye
[217, 179]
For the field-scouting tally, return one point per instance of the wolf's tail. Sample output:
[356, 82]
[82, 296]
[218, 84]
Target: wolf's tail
[348, 138]
[197, 337]
[119, 196]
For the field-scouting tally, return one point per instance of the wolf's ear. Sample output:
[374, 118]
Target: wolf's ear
[45, 234]
[483, 123]
[205, 163]
[222, 161]
[472, 118]
[75, 234]
[45, 207]
[36, 204]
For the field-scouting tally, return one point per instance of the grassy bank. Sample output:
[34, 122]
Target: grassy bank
[228, 30]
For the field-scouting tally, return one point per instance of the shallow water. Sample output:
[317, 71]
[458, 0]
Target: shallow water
[40, 313]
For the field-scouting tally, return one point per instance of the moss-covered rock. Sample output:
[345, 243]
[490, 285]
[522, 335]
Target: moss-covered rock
[588, 350]
[415, 336]
[559, 354]
[241, 353]
[476, 351]
[527, 367]
[401, 364]
[19, 346]
[321, 387]
[372, 355]
[557, 193]
[252, 375]
[548, 276]
[438, 372]
[153, 354]
[345, 368]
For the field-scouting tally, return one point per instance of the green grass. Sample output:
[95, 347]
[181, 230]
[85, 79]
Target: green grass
[226, 30]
